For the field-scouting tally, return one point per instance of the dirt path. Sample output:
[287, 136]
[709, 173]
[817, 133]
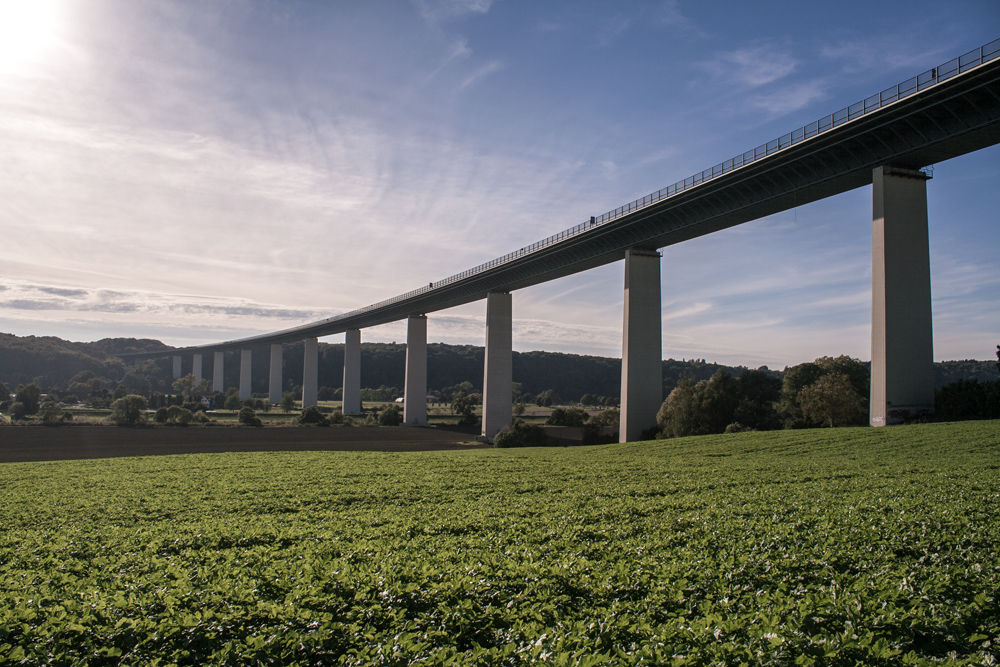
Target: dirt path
[39, 443]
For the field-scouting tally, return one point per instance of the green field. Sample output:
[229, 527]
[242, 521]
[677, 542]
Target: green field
[827, 547]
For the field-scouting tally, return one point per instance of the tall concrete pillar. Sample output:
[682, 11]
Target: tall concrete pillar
[642, 367]
[245, 367]
[415, 384]
[497, 372]
[310, 371]
[902, 374]
[177, 366]
[351, 391]
[218, 377]
[196, 367]
[274, 379]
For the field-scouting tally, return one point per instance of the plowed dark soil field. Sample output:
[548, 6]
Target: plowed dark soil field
[38, 443]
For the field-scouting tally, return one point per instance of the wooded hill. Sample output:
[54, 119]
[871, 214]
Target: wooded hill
[53, 362]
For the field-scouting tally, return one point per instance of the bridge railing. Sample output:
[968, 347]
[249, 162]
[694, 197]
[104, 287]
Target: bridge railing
[900, 91]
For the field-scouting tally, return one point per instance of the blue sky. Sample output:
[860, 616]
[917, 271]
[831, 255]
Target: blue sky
[196, 172]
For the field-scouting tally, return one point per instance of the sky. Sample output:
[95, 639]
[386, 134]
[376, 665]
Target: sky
[196, 172]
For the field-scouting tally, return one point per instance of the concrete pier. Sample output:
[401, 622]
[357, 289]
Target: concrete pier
[415, 384]
[274, 378]
[497, 371]
[196, 367]
[642, 367]
[218, 377]
[310, 372]
[245, 367]
[352, 372]
[177, 366]
[902, 378]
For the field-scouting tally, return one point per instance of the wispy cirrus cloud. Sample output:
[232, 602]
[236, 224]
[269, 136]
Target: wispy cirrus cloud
[440, 11]
[789, 98]
[886, 54]
[752, 67]
[482, 72]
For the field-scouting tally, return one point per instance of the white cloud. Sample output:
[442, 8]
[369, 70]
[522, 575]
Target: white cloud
[483, 71]
[439, 11]
[752, 67]
[788, 99]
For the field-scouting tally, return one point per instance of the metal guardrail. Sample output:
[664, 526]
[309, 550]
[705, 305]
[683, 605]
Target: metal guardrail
[900, 91]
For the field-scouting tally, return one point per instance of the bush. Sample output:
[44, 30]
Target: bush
[179, 415]
[70, 399]
[129, 410]
[30, 396]
[521, 434]
[247, 417]
[161, 416]
[52, 414]
[610, 418]
[312, 416]
[596, 434]
[17, 411]
[390, 416]
[737, 427]
[287, 403]
[337, 417]
[567, 417]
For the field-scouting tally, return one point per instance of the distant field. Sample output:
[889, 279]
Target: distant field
[827, 547]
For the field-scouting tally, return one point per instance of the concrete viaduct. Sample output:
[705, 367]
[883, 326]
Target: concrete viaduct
[885, 141]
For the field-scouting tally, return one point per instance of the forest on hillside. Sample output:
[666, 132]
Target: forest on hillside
[51, 362]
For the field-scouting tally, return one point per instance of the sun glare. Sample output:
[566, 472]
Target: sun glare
[27, 29]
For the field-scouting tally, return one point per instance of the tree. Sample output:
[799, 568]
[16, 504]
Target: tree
[129, 410]
[312, 415]
[567, 417]
[758, 392]
[547, 398]
[247, 417]
[233, 402]
[465, 405]
[390, 416]
[287, 403]
[832, 399]
[30, 396]
[699, 409]
[4, 393]
[52, 414]
[17, 411]
[521, 434]
[519, 409]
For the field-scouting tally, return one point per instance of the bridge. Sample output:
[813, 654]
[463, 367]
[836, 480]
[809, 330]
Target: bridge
[887, 140]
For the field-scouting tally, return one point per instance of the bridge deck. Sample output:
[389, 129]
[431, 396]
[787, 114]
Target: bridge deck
[943, 113]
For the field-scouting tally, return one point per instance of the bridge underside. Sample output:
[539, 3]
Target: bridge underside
[886, 147]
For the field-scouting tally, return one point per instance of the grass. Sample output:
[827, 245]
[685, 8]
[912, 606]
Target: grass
[827, 547]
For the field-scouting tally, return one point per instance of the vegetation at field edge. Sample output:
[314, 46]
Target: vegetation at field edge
[815, 547]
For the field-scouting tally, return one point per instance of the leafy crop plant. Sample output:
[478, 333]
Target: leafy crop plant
[822, 547]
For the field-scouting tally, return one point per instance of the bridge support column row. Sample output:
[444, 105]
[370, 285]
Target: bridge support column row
[415, 382]
[902, 373]
[310, 372]
[246, 363]
[218, 377]
[642, 367]
[497, 371]
[351, 391]
[274, 377]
